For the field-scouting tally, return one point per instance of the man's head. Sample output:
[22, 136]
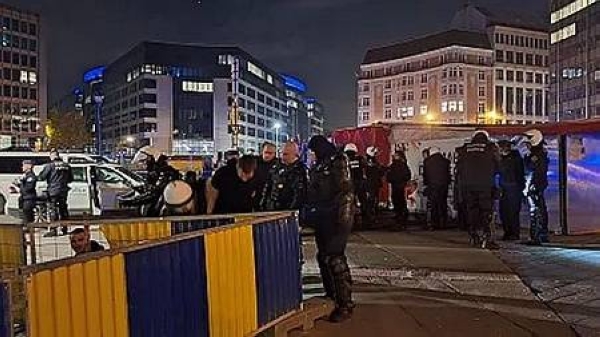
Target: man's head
[27, 165]
[400, 155]
[505, 147]
[351, 149]
[269, 152]
[426, 153]
[80, 241]
[232, 154]
[290, 153]
[246, 166]
[54, 154]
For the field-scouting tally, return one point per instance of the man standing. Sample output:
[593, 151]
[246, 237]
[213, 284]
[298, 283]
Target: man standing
[330, 207]
[358, 174]
[233, 188]
[286, 185]
[58, 175]
[536, 164]
[478, 168]
[512, 184]
[267, 162]
[374, 173]
[436, 177]
[398, 176]
[27, 188]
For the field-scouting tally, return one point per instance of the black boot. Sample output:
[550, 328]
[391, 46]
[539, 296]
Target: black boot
[342, 281]
[326, 277]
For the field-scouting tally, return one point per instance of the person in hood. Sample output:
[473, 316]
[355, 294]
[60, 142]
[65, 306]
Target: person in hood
[536, 166]
[437, 178]
[512, 184]
[398, 176]
[330, 207]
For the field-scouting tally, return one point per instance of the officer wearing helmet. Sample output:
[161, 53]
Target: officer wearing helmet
[436, 177]
[536, 167]
[478, 166]
[358, 173]
[374, 173]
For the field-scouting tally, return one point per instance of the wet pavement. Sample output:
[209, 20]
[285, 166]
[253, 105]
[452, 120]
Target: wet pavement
[419, 283]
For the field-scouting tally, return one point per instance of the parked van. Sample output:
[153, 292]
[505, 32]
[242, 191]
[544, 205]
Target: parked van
[94, 191]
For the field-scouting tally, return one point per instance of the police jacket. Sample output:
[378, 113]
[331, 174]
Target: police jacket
[436, 170]
[512, 170]
[330, 189]
[357, 168]
[399, 173]
[536, 164]
[261, 176]
[59, 175]
[478, 166]
[27, 184]
[285, 188]
[374, 173]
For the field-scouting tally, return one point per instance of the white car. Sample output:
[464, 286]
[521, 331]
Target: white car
[93, 192]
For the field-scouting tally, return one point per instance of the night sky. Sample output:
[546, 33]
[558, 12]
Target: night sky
[322, 41]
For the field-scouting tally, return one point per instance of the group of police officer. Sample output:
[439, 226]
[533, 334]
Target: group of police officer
[58, 176]
[479, 162]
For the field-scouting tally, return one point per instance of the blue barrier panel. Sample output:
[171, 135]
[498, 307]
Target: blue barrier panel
[167, 290]
[5, 326]
[278, 277]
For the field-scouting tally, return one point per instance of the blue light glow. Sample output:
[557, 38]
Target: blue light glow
[294, 83]
[94, 74]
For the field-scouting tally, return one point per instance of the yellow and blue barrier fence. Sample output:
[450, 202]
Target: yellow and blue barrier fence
[5, 314]
[223, 281]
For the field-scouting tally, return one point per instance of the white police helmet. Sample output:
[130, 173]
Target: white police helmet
[535, 137]
[481, 132]
[145, 153]
[372, 151]
[351, 147]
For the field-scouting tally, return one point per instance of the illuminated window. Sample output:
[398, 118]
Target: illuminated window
[32, 77]
[563, 34]
[444, 106]
[190, 86]
[461, 106]
[570, 9]
[254, 69]
[423, 109]
[24, 76]
[452, 106]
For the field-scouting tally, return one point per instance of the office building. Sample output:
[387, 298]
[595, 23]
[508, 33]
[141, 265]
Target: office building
[575, 59]
[316, 115]
[23, 78]
[191, 99]
[442, 78]
[521, 48]
[93, 101]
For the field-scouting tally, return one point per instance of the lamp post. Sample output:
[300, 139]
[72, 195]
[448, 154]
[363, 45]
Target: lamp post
[277, 126]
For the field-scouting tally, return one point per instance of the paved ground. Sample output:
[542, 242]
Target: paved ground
[433, 284]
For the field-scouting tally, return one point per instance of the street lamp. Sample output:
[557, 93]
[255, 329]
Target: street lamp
[277, 126]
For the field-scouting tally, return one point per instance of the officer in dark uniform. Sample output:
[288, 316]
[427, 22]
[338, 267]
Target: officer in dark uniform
[27, 187]
[286, 185]
[478, 169]
[58, 175]
[398, 175]
[374, 173]
[512, 184]
[459, 193]
[359, 178]
[265, 164]
[536, 166]
[330, 206]
[436, 177]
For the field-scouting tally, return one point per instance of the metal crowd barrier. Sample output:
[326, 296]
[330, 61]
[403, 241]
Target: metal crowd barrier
[203, 276]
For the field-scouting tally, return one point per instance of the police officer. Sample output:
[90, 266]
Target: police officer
[459, 193]
[536, 165]
[398, 176]
[330, 207]
[374, 173]
[359, 178]
[436, 177]
[512, 184]
[478, 170]
[58, 175]
[27, 184]
[286, 185]
[265, 164]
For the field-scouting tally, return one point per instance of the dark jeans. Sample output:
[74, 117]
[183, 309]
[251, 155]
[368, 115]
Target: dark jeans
[539, 216]
[510, 210]
[438, 198]
[28, 211]
[479, 212]
[399, 201]
[58, 208]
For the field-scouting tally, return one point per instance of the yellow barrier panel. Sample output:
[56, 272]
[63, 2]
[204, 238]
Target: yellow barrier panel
[82, 299]
[231, 282]
[121, 235]
[11, 247]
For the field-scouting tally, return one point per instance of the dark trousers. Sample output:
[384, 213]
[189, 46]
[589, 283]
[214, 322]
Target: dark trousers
[510, 210]
[361, 194]
[479, 212]
[438, 199]
[57, 207]
[331, 238]
[372, 199]
[399, 201]
[28, 211]
[539, 216]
